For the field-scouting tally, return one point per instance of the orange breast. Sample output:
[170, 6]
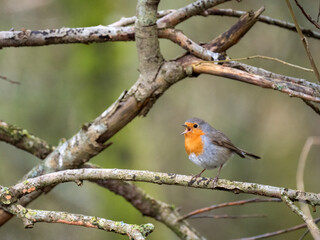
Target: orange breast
[193, 143]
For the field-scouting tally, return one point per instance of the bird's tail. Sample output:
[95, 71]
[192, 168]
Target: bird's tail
[251, 155]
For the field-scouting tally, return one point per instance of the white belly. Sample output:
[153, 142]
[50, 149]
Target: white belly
[213, 157]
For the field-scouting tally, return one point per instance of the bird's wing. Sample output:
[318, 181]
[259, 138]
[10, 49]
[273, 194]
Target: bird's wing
[219, 139]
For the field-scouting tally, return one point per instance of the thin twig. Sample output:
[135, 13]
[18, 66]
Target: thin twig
[304, 41]
[226, 216]
[227, 204]
[279, 232]
[314, 230]
[263, 57]
[9, 80]
[310, 19]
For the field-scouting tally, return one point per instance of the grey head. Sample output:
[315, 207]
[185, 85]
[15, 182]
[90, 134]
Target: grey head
[204, 126]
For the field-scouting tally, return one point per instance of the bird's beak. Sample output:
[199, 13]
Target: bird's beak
[187, 129]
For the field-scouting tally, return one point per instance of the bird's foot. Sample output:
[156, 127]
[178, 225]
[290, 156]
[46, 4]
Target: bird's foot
[215, 181]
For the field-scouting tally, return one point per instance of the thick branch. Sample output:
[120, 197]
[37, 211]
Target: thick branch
[31, 216]
[85, 35]
[146, 35]
[22, 139]
[10, 195]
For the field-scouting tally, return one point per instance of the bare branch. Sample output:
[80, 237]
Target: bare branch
[178, 37]
[22, 139]
[150, 206]
[304, 41]
[264, 19]
[226, 216]
[10, 195]
[146, 35]
[30, 217]
[227, 204]
[292, 89]
[147, 205]
[125, 21]
[186, 12]
[279, 232]
[85, 35]
[9, 80]
[313, 106]
[233, 35]
[268, 58]
[314, 230]
[314, 22]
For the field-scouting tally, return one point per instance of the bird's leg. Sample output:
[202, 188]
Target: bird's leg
[194, 177]
[215, 180]
[199, 174]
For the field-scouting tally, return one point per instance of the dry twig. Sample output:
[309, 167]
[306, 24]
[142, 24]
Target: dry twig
[227, 204]
[304, 41]
[279, 232]
[310, 19]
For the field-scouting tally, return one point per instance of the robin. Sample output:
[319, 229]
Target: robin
[208, 147]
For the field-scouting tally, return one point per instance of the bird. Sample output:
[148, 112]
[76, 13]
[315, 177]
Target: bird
[209, 148]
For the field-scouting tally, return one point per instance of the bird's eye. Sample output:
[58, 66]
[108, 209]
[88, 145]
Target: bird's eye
[195, 125]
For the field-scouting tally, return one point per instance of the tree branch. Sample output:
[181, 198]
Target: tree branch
[310, 19]
[292, 89]
[228, 204]
[22, 139]
[86, 35]
[10, 195]
[150, 206]
[304, 41]
[31, 216]
[314, 230]
[186, 12]
[279, 232]
[265, 19]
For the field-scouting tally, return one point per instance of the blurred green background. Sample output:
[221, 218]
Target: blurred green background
[64, 86]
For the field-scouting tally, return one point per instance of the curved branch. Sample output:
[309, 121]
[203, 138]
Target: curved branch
[31, 216]
[292, 89]
[10, 195]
